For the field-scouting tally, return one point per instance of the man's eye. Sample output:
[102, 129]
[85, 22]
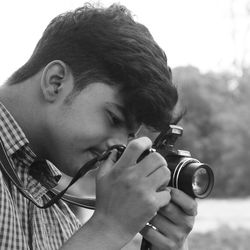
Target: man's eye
[115, 120]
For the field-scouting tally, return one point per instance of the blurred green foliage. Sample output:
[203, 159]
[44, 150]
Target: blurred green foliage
[217, 125]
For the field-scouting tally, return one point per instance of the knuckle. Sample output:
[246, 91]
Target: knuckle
[151, 203]
[189, 224]
[168, 209]
[189, 227]
[129, 182]
[193, 208]
[177, 242]
[166, 171]
[167, 197]
[170, 245]
[176, 246]
[141, 192]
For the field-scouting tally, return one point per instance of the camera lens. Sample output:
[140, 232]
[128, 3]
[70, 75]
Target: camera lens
[201, 180]
[193, 177]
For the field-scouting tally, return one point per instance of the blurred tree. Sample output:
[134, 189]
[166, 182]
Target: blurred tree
[216, 125]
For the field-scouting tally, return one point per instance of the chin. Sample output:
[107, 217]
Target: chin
[72, 166]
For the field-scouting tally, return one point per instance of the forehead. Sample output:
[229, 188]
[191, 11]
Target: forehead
[101, 92]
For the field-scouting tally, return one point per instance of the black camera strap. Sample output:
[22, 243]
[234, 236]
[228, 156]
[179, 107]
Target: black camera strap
[8, 170]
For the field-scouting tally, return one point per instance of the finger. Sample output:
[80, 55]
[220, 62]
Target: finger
[174, 213]
[150, 163]
[163, 198]
[164, 225]
[134, 149]
[171, 228]
[184, 201]
[157, 239]
[108, 164]
[159, 179]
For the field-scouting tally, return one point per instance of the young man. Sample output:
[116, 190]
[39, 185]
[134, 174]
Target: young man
[95, 76]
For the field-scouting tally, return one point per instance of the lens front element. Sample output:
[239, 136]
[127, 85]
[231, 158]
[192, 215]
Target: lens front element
[201, 180]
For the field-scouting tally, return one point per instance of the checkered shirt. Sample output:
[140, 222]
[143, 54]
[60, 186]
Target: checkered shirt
[22, 224]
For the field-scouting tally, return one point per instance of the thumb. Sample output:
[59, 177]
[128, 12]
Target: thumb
[108, 164]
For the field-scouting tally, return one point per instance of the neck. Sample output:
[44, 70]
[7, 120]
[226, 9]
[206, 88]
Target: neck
[19, 100]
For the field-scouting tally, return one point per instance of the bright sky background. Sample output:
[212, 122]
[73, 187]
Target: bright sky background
[192, 32]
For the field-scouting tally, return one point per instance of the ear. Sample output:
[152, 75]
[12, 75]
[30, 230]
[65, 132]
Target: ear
[53, 79]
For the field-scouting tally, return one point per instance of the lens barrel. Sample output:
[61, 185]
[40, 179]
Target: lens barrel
[191, 176]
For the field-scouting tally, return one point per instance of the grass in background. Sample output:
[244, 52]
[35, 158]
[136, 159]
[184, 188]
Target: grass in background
[224, 238]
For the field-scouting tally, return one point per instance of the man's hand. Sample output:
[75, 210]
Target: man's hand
[173, 222]
[127, 195]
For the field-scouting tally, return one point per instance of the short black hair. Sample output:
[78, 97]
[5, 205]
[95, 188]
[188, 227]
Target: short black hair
[108, 45]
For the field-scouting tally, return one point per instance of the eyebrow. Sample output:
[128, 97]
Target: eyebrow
[119, 107]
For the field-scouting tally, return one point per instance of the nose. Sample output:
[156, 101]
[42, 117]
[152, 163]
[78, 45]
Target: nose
[118, 138]
[115, 140]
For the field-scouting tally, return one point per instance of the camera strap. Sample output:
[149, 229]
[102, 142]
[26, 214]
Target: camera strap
[8, 170]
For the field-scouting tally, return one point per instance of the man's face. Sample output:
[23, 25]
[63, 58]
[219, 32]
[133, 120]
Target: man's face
[76, 132]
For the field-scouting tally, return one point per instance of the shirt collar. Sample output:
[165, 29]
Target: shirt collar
[11, 134]
[17, 144]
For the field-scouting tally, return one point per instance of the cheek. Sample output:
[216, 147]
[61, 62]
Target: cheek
[71, 133]
[78, 134]
[89, 129]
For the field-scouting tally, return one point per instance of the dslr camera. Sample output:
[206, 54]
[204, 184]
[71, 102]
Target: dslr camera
[187, 174]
